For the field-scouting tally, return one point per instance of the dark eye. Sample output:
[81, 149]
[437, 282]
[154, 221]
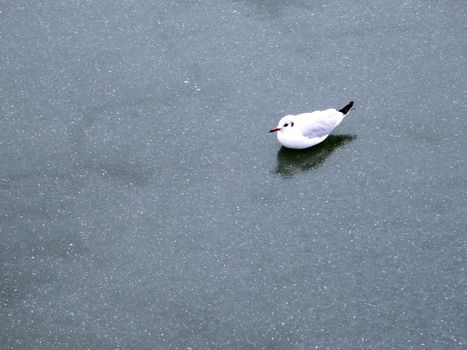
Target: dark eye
[286, 125]
[291, 124]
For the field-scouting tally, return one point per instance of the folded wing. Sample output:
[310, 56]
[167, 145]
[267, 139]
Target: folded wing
[319, 123]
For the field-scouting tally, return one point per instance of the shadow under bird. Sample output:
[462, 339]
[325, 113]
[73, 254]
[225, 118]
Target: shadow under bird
[308, 129]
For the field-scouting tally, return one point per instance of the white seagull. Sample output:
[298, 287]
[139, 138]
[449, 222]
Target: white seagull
[308, 129]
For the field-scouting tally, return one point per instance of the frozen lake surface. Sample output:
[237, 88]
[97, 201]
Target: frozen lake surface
[144, 205]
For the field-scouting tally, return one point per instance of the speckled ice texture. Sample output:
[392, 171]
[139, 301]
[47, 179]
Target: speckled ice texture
[144, 205]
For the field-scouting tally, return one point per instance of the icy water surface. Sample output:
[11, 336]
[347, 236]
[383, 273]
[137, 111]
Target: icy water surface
[144, 205]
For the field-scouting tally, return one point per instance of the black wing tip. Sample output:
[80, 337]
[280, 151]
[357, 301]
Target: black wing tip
[347, 108]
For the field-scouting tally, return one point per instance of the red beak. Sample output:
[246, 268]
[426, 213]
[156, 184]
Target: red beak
[275, 129]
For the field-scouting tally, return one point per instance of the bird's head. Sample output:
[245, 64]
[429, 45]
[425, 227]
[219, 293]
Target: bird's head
[285, 124]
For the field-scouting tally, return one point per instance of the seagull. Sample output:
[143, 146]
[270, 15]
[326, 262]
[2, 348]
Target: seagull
[308, 129]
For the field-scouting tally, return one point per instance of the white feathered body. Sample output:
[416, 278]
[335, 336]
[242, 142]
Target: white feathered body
[308, 129]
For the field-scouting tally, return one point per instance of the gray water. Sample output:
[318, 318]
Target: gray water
[144, 205]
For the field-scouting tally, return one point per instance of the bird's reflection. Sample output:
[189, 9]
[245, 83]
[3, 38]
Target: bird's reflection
[292, 161]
